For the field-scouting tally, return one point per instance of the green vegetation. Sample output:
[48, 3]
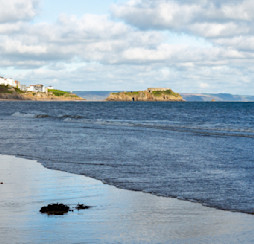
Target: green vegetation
[167, 92]
[18, 90]
[155, 93]
[132, 93]
[8, 89]
[4, 89]
[59, 93]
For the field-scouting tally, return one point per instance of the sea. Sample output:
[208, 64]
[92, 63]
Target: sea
[195, 151]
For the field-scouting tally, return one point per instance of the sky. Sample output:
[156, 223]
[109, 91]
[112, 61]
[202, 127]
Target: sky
[198, 46]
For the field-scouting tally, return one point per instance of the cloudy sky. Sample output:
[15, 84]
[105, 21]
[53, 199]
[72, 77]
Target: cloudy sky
[189, 46]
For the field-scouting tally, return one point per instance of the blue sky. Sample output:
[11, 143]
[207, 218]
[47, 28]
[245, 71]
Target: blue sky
[189, 46]
[49, 10]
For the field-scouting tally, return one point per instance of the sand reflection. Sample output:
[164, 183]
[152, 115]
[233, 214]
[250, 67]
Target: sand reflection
[117, 215]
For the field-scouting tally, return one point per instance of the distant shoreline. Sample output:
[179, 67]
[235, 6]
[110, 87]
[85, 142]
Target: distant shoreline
[100, 96]
[188, 97]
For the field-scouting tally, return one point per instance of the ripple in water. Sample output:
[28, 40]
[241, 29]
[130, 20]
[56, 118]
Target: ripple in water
[200, 152]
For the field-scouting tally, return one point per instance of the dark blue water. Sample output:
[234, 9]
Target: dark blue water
[195, 151]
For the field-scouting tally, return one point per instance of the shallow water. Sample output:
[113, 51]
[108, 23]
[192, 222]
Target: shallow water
[196, 151]
[116, 216]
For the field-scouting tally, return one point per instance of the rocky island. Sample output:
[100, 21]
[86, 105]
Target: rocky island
[151, 95]
[13, 93]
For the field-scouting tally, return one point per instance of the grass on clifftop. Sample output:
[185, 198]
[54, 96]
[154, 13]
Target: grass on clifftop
[8, 89]
[126, 93]
[167, 92]
[132, 93]
[59, 93]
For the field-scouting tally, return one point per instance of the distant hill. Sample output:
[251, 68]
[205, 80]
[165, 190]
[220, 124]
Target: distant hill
[93, 95]
[218, 97]
[189, 97]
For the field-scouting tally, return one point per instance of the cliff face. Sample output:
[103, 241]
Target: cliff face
[11, 96]
[154, 96]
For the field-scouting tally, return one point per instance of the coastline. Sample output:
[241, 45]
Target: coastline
[29, 96]
[116, 216]
[15, 100]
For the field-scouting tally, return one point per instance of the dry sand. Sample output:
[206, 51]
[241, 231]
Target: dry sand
[117, 216]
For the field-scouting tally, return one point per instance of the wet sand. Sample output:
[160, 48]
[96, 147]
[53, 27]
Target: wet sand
[117, 216]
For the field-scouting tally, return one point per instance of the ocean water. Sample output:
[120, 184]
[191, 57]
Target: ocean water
[201, 152]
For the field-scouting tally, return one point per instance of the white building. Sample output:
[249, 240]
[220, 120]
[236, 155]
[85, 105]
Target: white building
[8, 82]
[11, 82]
[36, 88]
[2, 81]
[30, 88]
[23, 88]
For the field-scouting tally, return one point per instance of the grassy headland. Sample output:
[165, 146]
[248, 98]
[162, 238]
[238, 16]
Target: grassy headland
[158, 95]
[12, 93]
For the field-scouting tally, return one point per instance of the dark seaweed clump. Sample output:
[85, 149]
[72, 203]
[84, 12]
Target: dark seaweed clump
[61, 209]
[55, 209]
[81, 206]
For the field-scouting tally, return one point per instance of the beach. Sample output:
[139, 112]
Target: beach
[116, 216]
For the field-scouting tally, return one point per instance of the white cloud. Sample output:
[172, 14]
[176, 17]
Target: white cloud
[186, 45]
[208, 18]
[204, 85]
[14, 10]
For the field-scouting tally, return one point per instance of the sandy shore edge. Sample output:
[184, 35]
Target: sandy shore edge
[117, 216]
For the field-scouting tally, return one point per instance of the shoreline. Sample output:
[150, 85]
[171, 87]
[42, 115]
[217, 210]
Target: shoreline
[116, 215]
[131, 190]
[40, 96]
[23, 100]
[95, 101]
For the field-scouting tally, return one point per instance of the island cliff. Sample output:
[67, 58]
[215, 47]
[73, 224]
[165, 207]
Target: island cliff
[151, 94]
[11, 93]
